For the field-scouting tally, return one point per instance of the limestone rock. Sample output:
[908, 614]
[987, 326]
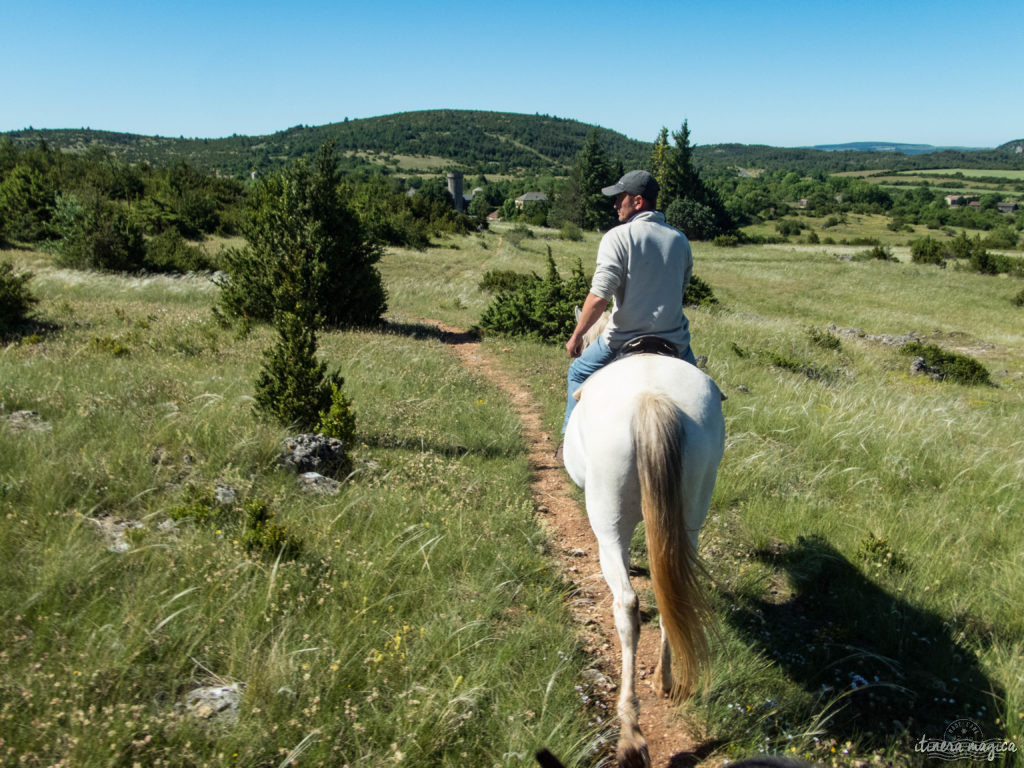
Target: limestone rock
[317, 483]
[920, 366]
[26, 421]
[315, 453]
[220, 703]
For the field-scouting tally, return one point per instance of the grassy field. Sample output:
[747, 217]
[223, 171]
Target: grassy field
[864, 546]
[975, 173]
[853, 227]
[971, 181]
[420, 621]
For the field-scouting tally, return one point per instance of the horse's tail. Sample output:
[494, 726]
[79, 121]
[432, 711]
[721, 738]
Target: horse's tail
[659, 437]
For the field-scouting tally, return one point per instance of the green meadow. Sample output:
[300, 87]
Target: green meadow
[975, 173]
[863, 551]
[864, 543]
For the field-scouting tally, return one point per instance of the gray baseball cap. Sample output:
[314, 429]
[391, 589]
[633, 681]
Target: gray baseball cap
[635, 183]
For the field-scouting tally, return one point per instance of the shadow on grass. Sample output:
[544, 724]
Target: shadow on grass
[31, 330]
[882, 669]
[416, 331]
[428, 330]
[449, 450]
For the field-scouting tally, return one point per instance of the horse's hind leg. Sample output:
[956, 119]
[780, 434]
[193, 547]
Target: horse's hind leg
[632, 748]
[663, 680]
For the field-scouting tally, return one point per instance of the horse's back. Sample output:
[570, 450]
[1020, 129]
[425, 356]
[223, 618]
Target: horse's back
[598, 435]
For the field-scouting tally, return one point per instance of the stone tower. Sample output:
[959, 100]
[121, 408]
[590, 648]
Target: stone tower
[455, 188]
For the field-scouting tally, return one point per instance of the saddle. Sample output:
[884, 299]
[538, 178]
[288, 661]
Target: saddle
[648, 345]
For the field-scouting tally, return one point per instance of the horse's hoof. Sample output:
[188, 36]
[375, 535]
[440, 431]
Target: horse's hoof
[633, 755]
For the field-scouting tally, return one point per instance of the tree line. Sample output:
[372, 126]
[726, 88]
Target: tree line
[95, 211]
[775, 195]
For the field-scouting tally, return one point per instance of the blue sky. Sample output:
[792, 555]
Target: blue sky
[782, 73]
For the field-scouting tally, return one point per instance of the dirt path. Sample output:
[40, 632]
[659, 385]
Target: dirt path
[576, 548]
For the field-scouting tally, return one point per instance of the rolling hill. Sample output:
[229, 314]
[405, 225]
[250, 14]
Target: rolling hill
[484, 142]
[492, 142]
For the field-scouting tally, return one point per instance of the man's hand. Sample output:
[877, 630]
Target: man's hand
[574, 346]
[593, 308]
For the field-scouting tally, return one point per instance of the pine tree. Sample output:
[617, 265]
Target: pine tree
[309, 253]
[300, 223]
[594, 174]
[680, 181]
[659, 157]
[293, 386]
[580, 200]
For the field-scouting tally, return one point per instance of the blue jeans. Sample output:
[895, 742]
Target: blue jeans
[595, 357]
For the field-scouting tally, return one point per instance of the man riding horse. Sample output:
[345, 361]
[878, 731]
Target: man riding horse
[644, 265]
[644, 442]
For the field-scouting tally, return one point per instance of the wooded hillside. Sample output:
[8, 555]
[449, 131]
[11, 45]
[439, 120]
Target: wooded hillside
[479, 142]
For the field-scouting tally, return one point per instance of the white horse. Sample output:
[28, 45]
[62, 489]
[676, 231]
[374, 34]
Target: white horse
[644, 442]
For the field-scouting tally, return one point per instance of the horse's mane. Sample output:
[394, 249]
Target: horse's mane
[595, 330]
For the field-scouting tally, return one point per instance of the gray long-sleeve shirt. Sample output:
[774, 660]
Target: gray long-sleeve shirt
[644, 264]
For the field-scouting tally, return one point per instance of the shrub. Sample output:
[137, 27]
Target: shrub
[962, 247]
[698, 294]
[201, 506]
[824, 339]
[109, 345]
[97, 233]
[962, 369]
[788, 228]
[538, 309]
[879, 252]
[339, 420]
[779, 360]
[996, 263]
[1004, 237]
[877, 552]
[16, 300]
[571, 231]
[170, 252]
[695, 220]
[927, 250]
[518, 233]
[263, 535]
[498, 280]
[293, 387]
[791, 364]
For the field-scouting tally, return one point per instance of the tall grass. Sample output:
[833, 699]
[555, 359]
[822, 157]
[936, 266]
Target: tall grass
[864, 545]
[420, 623]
